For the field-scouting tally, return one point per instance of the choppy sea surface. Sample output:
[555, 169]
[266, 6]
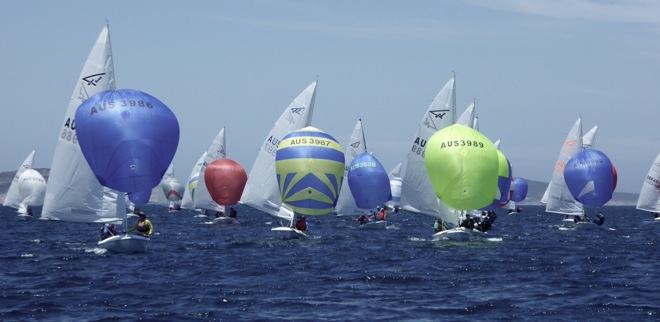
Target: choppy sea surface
[527, 269]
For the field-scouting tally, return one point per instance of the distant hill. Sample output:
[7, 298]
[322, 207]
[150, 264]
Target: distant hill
[537, 188]
[534, 194]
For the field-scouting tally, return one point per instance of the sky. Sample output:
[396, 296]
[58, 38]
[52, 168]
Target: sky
[533, 67]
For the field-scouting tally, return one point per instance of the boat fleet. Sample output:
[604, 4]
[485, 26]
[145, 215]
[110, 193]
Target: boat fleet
[115, 149]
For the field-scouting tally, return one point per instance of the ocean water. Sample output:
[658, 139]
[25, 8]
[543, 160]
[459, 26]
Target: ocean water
[527, 269]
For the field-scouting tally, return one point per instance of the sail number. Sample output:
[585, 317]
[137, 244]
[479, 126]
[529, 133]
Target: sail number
[69, 136]
[123, 103]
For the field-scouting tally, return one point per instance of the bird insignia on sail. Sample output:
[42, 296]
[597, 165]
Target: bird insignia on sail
[355, 145]
[93, 80]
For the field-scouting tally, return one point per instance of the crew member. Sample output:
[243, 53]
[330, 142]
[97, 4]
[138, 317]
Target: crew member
[301, 224]
[143, 226]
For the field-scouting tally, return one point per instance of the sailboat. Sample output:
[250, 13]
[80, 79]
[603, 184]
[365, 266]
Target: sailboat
[187, 202]
[73, 193]
[417, 193]
[649, 196]
[262, 190]
[558, 198]
[170, 191]
[202, 199]
[367, 185]
[26, 190]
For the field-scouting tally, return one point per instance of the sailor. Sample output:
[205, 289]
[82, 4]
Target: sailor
[600, 219]
[438, 226]
[468, 223]
[107, 231]
[363, 219]
[233, 213]
[143, 226]
[381, 214]
[29, 211]
[656, 215]
[519, 209]
[487, 221]
[219, 214]
[301, 224]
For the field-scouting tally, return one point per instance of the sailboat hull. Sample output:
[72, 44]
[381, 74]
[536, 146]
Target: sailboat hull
[374, 225]
[125, 244]
[224, 221]
[457, 234]
[289, 233]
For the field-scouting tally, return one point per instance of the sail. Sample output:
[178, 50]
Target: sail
[417, 194]
[73, 193]
[261, 191]
[13, 198]
[217, 150]
[157, 195]
[395, 186]
[497, 144]
[559, 199]
[191, 184]
[467, 117]
[589, 138]
[475, 123]
[649, 196]
[356, 145]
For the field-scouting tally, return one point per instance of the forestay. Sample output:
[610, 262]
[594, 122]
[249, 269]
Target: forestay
[217, 150]
[559, 199]
[356, 145]
[261, 191]
[417, 194]
[13, 197]
[649, 196]
[73, 193]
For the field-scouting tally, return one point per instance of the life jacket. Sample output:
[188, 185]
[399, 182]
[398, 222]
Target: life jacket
[380, 215]
[143, 226]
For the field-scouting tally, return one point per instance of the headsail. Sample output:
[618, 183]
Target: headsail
[649, 196]
[13, 197]
[262, 190]
[217, 150]
[191, 184]
[356, 145]
[417, 194]
[73, 192]
[559, 199]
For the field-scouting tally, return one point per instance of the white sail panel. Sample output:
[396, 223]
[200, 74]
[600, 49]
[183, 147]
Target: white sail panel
[395, 186]
[31, 188]
[261, 191]
[217, 150]
[417, 194]
[589, 138]
[475, 123]
[73, 192]
[559, 198]
[497, 144]
[13, 198]
[356, 145]
[191, 184]
[467, 117]
[649, 196]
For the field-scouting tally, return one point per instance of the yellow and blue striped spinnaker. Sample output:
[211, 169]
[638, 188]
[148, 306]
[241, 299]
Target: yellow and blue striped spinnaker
[310, 168]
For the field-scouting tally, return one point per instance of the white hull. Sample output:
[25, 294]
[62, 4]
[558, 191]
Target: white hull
[374, 225]
[657, 219]
[288, 233]
[125, 244]
[224, 221]
[200, 216]
[457, 234]
[24, 216]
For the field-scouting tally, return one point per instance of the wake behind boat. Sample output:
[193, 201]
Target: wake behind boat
[288, 233]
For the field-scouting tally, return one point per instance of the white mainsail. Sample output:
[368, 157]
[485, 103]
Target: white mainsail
[649, 196]
[467, 117]
[475, 124]
[587, 142]
[191, 184]
[217, 150]
[73, 192]
[417, 194]
[559, 199]
[261, 191]
[356, 145]
[589, 138]
[13, 197]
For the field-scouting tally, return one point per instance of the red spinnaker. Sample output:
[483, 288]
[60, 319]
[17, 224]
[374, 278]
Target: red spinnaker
[225, 180]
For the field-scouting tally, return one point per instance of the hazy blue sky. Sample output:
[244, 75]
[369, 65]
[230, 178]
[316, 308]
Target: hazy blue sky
[534, 67]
